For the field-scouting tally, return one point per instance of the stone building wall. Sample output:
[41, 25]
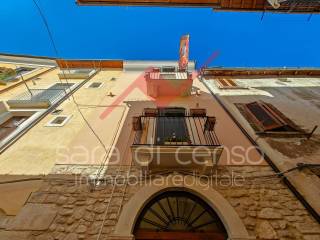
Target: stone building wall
[65, 209]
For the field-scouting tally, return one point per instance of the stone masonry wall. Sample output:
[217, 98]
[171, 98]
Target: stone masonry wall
[267, 207]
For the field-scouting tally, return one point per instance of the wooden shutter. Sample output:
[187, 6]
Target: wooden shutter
[264, 116]
[227, 83]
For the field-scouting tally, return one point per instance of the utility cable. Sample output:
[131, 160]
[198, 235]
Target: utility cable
[107, 151]
[57, 56]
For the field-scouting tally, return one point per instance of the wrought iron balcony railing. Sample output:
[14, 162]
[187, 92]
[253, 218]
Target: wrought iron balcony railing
[41, 97]
[174, 138]
[175, 131]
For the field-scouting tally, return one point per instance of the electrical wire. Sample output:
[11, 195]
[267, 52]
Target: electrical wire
[107, 151]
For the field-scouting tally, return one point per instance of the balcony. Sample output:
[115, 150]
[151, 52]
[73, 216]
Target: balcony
[171, 138]
[41, 98]
[164, 83]
[76, 73]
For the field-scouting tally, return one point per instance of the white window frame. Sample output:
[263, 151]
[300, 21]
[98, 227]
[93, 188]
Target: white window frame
[51, 124]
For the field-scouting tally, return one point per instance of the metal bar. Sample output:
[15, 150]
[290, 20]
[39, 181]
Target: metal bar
[199, 216]
[197, 132]
[178, 215]
[205, 136]
[153, 136]
[154, 223]
[158, 216]
[313, 130]
[164, 211]
[192, 209]
[163, 127]
[192, 130]
[202, 225]
[170, 208]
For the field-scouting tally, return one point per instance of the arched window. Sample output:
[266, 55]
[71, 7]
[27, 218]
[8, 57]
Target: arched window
[179, 215]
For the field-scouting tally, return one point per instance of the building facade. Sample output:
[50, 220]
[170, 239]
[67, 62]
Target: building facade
[284, 6]
[100, 149]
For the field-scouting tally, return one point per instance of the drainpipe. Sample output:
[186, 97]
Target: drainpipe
[266, 157]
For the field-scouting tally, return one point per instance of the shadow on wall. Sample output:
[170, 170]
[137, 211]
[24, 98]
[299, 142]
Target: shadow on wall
[300, 104]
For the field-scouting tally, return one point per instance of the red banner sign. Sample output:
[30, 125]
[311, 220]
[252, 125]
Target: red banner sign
[184, 53]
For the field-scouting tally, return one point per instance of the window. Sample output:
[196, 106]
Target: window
[174, 126]
[75, 73]
[58, 121]
[10, 125]
[178, 215]
[315, 170]
[264, 117]
[168, 69]
[61, 86]
[24, 70]
[95, 85]
[168, 76]
[56, 111]
[7, 73]
[225, 83]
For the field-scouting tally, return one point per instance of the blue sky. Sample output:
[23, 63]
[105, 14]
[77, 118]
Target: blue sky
[153, 33]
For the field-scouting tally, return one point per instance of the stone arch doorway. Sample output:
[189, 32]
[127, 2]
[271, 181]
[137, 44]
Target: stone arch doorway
[131, 211]
[175, 215]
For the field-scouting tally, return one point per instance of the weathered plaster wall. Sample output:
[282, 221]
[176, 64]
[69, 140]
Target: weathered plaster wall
[298, 99]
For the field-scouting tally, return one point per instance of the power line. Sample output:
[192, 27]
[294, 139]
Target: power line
[72, 96]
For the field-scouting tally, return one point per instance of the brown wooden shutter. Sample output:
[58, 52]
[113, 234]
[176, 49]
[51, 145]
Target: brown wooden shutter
[264, 116]
[227, 83]
[223, 83]
[231, 83]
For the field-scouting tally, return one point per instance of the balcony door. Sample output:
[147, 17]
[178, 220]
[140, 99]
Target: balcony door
[171, 127]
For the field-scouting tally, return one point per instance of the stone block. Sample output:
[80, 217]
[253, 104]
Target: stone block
[35, 217]
[9, 235]
[71, 236]
[264, 230]
[269, 213]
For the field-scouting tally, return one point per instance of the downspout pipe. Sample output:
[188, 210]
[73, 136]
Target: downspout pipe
[266, 157]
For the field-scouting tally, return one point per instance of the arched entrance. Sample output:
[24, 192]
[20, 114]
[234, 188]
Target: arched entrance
[175, 215]
[132, 210]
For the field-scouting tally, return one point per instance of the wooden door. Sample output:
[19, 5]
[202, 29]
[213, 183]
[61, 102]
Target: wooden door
[150, 235]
